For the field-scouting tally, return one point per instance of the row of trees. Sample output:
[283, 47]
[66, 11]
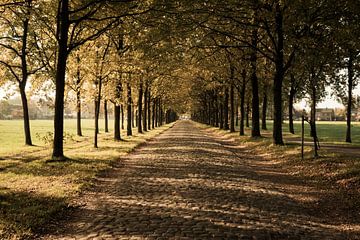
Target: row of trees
[93, 50]
[206, 57]
[261, 54]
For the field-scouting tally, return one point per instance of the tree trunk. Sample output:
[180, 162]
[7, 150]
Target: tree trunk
[78, 97]
[237, 114]
[22, 84]
[279, 77]
[232, 109]
[153, 113]
[97, 114]
[221, 115]
[140, 112]
[149, 109]
[25, 116]
[78, 109]
[313, 118]
[349, 100]
[242, 102]
[226, 109]
[122, 117]
[216, 110]
[264, 109]
[145, 108]
[247, 114]
[106, 117]
[117, 111]
[255, 128]
[63, 29]
[129, 110]
[291, 105]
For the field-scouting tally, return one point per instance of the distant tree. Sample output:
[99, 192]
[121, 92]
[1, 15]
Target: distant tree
[17, 43]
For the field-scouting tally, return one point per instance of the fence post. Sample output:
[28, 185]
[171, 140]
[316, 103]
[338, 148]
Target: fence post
[302, 135]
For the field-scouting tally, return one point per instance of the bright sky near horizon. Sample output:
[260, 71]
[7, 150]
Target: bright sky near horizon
[328, 102]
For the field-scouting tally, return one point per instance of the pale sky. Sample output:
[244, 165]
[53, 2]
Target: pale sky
[328, 102]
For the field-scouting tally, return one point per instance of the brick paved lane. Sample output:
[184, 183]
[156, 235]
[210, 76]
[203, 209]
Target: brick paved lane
[189, 184]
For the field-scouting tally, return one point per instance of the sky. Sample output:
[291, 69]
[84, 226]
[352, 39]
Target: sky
[328, 102]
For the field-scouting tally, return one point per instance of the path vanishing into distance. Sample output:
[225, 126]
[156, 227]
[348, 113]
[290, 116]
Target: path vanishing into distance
[188, 183]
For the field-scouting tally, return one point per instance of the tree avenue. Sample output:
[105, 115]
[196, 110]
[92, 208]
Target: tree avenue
[150, 61]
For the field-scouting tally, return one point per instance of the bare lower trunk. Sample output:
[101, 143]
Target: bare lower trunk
[153, 114]
[313, 121]
[264, 110]
[145, 109]
[122, 117]
[97, 114]
[279, 77]
[149, 109]
[349, 103]
[26, 116]
[63, 29]
[140, 110]
[226, 109]
[78, 109]
[232, 109]
[255, 123]
[117, 111]
[106, 117]
[129, 110]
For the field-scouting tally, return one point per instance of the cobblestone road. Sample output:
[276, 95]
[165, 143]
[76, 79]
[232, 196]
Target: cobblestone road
[189, 184]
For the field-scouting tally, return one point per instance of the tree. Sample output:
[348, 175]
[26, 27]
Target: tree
[17, 43]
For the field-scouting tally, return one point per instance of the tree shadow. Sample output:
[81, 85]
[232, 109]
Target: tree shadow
[200, 188]
[23, 214]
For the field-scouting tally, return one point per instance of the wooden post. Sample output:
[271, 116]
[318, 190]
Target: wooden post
[302, 135]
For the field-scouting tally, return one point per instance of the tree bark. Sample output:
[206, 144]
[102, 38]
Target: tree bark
[106, 117]
[242, 102]
[237, 113]
[140, 112]
[97, 113]
[78, 109]
[122, 117]
[349, 100]
[221, 115]
[117, 110]
[25, 116]
[232, 109]
[145, 108]
[255, 128]
[264, 109]
[63, 29]
[216, 110]
[247, 114]
[313, 116]
[129, 110]
[149, 108]
[279, 77]
[226, 109]
[153, 113]
[22, 84]
[291, 105]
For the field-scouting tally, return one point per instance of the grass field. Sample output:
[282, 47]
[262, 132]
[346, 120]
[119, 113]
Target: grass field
[33, 190]
[330, 132]
[12, 133]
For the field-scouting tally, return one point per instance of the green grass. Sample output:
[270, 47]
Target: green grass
[12, 132]
[330, 132]
[33, 190]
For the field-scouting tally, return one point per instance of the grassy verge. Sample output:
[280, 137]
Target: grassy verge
[34, 191]
[340, 172]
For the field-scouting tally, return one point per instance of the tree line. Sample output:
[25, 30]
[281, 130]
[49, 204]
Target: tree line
[75, 51]
[262, 56]
[217, 60]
